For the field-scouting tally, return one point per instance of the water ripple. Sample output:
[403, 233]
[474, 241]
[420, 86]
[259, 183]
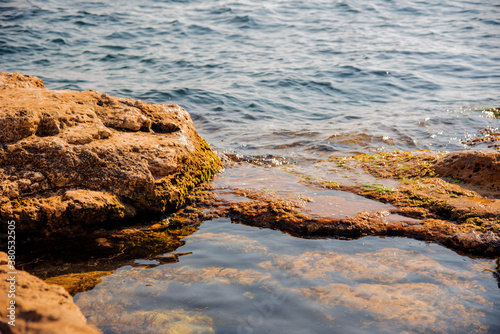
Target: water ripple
[246, 70]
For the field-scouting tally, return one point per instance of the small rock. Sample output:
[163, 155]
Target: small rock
[479, 168]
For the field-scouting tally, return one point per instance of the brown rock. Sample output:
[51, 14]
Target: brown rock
[479, 168]
[422, 204]
[71, 160]
[39, 307]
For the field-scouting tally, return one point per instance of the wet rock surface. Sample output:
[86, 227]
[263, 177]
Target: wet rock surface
[423, 204]
[390, 194]
[71, 161]
[39, 307]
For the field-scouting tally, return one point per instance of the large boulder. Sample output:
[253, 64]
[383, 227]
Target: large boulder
[71, 160]
[39, 307]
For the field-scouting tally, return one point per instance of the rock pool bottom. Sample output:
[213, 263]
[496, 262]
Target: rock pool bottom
[232, 278]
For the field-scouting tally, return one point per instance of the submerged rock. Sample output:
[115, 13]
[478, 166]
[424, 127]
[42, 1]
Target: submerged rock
[39, 307]
[70, 161]
[77, 263]
[76, 283]
[398, 194]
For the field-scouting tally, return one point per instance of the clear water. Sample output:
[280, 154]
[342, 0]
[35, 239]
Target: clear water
[239, 279]
[283, 77]
[294, 79]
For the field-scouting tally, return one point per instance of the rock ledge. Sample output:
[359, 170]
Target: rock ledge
[71, 161]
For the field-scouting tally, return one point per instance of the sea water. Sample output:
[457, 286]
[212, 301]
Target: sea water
[233, 278]
[288, 78]
[296, 80]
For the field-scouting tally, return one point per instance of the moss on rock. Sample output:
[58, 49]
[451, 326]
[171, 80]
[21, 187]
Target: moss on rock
[74, 161]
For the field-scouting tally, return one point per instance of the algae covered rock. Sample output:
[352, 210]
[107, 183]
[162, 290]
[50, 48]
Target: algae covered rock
[39, 307]
[72, 160]
[398, 193]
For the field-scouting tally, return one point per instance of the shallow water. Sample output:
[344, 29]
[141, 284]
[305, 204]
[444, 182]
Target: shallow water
[238, 279]
[299, 79]
[279, 184]
[285, 80]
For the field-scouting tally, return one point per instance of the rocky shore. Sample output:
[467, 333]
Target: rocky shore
[39, 307]
[74, 168]
[89, 179]
[449, 198]
[72, 161]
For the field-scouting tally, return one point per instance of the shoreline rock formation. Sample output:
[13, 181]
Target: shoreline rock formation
[39, 307]
[71, 161]
[459, 208]
[480, 169]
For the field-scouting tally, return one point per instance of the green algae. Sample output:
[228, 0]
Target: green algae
[399, 164]
[451, 214]
[331, 185]
[170, 193]
[420, 186]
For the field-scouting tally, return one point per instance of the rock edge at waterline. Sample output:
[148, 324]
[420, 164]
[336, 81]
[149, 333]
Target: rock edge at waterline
[449, 198]
[39, 307]
[71, 160]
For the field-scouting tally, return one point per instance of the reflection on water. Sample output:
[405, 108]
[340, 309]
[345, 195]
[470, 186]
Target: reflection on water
[279, 184]
[240, 279]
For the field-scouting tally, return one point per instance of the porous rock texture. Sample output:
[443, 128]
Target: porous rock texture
[39, 307]
[479, 168]
[71, 160]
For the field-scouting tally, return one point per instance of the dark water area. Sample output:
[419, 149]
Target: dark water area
[296, 79]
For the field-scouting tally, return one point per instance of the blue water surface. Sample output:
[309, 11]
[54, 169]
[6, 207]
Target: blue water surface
[281, 77]
[288, 78]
